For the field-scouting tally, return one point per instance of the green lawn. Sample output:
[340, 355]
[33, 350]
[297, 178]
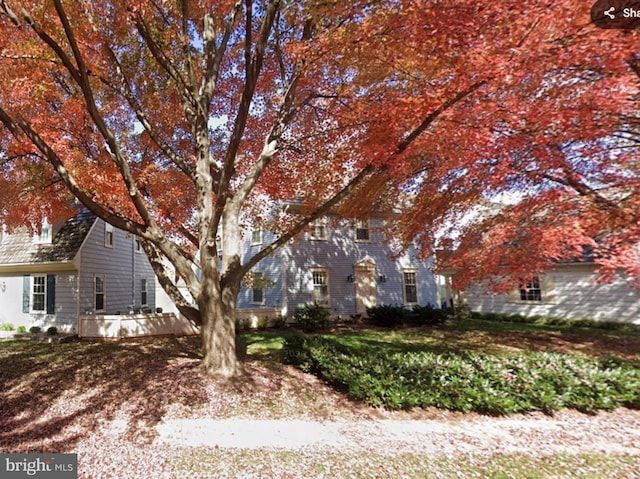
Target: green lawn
[478, 336]
[59, 398]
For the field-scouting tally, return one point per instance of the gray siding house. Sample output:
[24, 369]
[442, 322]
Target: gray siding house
[81, 266]
[345, 266]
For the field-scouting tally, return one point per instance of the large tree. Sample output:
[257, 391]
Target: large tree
[179, 121]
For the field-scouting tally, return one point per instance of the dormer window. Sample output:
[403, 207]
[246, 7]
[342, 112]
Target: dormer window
[46, 233]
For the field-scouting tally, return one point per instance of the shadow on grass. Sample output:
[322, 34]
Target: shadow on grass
[53, 395]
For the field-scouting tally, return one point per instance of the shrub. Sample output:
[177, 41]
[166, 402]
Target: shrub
[551, 321]
[22, 329]
[311, 317]
[387, 315]
[426, 315]
[262, 324]
[280, 322]
[35, 329]
[52, 331]
[469, 382]
[6, 327]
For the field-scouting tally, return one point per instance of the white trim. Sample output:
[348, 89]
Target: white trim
[31, 293]
[109, 229]
[405, 284]
[362, 225]
[259, 240]
[145, 290]
[326, 303]
[264, 289]
[104, 292]
[320, 222]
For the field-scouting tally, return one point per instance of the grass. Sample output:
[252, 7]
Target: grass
[495, 370]
[478, 336]
[55, 397]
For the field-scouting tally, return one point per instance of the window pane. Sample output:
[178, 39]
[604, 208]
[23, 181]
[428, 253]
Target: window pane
[143, 292]
[99, 293]
[410, 287]
[531, 291]
[38, 297]
[257, 293]
[320, 293]
[362, 230]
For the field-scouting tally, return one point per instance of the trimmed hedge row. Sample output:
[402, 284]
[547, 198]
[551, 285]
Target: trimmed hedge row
[471, 382]
[390, 316]
[549, 321]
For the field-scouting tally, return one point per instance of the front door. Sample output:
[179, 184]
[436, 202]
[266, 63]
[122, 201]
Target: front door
[365, 285]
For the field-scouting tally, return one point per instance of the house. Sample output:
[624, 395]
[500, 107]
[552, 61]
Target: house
[569, 291]
[78, 267]
[345, 266]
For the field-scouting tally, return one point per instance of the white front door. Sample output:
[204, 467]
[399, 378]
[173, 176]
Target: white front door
[365, 286]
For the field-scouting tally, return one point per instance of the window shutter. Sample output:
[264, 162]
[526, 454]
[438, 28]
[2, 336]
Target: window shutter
[26, 293]
[51, 294]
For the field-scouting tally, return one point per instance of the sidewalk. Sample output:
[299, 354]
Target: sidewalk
[483, 434]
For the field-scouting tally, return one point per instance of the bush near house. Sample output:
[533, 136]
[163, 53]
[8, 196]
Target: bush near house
[549, 321]
[6, 327]
[311, 317]
[391, 316]
[485, 383]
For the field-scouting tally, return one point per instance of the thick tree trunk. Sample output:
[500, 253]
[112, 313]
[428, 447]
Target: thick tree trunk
[218, 333]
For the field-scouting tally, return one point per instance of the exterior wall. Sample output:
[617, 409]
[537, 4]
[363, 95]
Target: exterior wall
[291, 270]
[134, 326]
[11, 303]
[575, 295]
[122, 266]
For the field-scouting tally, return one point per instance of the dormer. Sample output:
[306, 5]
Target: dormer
[46, 233]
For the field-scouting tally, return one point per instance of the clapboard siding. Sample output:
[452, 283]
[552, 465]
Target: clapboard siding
[577, 296]
[122, 268]
[65, 302]
[66, 306]
[291, 267]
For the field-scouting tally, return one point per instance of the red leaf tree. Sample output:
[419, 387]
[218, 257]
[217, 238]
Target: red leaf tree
[179, 121]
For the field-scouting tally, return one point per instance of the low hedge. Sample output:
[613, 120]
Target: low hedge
[550, 321]
[471, 382]
[390, 316]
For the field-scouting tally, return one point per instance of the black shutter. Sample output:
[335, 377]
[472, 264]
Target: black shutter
[51, 294]
[26, 293]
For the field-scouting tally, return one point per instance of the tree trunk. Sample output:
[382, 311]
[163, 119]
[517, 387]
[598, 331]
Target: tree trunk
[218, 332]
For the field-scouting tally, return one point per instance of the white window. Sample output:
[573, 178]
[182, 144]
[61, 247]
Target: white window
[257, 290]
[256, 237]
[143, 292]
[108, 235]
[362, 230]
[320, 293]
[39, 293]
[319, 230]
[410, 287]
[99, 293]
[46, 233]
[138, 246]
[531, 290]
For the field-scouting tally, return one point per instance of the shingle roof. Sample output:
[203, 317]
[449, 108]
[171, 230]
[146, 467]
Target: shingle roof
[18, 247]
